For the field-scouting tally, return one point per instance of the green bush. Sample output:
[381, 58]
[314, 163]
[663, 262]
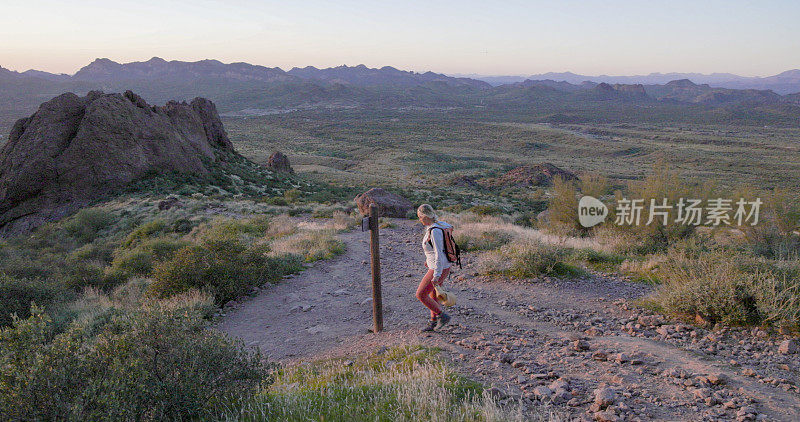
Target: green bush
[150, 365]
[224, 267]
[17, 295]
[144, 231]
[87, 223]
[710, 286]
[130, 263]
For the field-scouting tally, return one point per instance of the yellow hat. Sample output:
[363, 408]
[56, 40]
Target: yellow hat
[444, 297]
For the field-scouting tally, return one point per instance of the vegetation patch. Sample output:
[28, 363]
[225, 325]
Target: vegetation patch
[398, 384]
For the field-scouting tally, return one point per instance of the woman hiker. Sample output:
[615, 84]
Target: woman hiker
[437, 264]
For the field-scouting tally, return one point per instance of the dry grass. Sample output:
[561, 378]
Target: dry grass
[312, 245]
[402, 384]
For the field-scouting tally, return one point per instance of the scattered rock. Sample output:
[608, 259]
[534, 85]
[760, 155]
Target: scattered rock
[542, 392]
[279, 162]
[606, 416]
[787, 347]
[604, 397]
[580, 345]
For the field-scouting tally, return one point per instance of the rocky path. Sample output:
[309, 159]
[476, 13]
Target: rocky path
[578, 348]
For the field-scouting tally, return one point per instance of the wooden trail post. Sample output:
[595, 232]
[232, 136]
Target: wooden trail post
[375, 255]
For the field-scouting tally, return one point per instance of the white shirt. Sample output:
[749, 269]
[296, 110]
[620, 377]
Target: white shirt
[435, 257]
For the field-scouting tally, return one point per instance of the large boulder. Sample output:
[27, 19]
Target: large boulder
[279, 162]
[74, 150]
[389, 204]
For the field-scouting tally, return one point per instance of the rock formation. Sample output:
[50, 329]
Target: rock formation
[389, 204]
[536, 175]
[279, 162]
[76, 149]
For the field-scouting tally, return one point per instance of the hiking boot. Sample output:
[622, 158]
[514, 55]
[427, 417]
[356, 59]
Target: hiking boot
[431, 325]
[442, 320]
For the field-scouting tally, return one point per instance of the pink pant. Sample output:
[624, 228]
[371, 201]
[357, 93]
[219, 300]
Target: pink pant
[427, 294]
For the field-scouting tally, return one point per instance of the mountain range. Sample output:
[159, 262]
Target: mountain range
[242, 86]
[783, 83]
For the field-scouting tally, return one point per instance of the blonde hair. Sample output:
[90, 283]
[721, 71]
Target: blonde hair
[426, 210]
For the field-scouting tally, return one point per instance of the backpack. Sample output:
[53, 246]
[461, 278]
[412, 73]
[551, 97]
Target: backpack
[451, 249]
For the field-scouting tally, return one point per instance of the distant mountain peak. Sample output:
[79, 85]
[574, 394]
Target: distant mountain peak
[681, 83]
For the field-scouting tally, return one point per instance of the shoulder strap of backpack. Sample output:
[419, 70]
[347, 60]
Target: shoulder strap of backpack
[430, 234]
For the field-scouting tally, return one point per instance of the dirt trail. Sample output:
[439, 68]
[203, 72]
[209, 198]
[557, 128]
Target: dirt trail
[557, 344]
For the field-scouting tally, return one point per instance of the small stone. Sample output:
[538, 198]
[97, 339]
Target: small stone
[717, 379]
[580, 345]
[702, 393]
[559, 384]
[606, 416]
[604, 396]
[600, 356]
[649, 320]
[787, 347]
[542, 392]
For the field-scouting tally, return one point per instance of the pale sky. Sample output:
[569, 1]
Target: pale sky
[513, 37]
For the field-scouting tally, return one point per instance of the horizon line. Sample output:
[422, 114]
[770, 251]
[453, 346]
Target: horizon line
[452, 74]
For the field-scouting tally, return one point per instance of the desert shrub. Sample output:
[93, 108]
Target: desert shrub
[710, 286]
[84, 273]
[722, 286]
[17, 295]
[775, 235]
[477, 240]
[595, 185]
[224, 267]
[527, 259]
[233, 228]
[140, 260]
[87, 223]
[276, 200]
[153, 364]
[563, 207]
[144, 231]
[99, 250]
[128, 263]
[664, 183]
[292, 195]
[311, 245]
[526, 219]
[777, 297]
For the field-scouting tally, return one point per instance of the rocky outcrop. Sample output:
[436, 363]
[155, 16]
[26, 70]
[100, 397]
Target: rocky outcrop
[279, 162]
[76, 149]
[389, 204]
[536, 175]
